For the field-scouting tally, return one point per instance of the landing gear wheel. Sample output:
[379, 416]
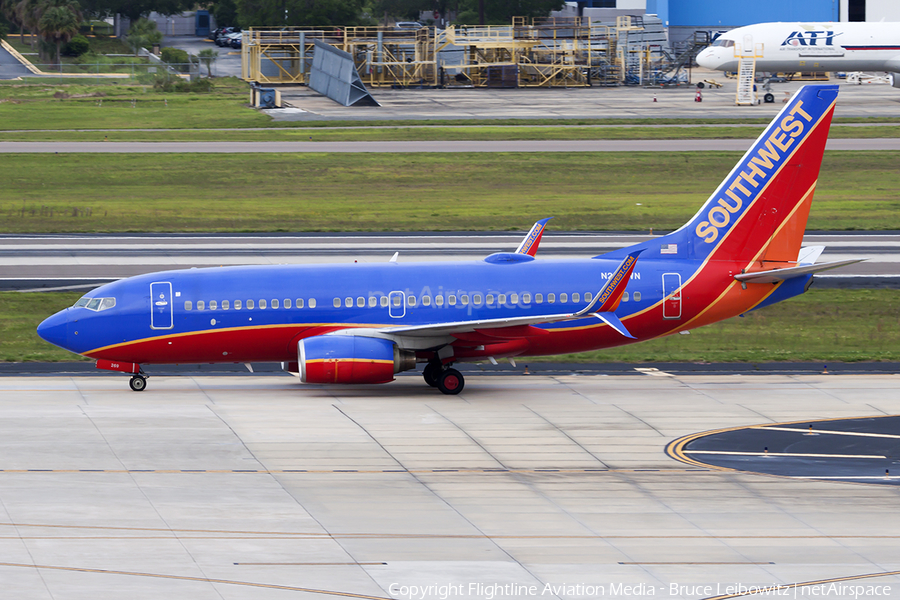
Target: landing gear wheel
[432, 373]
[138, 383]
[451, 382]
[769, 98]
[700, 85]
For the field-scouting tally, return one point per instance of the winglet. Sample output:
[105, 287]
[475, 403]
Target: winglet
[531, 242]
[608, 298]
[613, 321]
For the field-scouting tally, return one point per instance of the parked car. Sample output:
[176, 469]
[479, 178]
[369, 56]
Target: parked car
[237, 40]
[224, 37]
[408, 25]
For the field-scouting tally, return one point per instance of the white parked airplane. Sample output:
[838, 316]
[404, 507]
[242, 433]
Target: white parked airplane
[819, 47]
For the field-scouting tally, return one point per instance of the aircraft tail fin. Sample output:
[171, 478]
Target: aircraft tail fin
[759, 212]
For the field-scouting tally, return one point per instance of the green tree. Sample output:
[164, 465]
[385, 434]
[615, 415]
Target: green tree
[28, 13]
[207, 57]
[501, 12]
[135, 9]
[225, 13]
[143, 34]
[261, 13]
[58, 24]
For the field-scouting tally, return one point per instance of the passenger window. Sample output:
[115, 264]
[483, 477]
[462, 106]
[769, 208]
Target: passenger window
[476, 299]
[563, 297]
[439, 300]
[237, 305]
[275, 303]
[312, 302]
[637, 296]
[426, 300]
[411, 300]
[250, 304]
[576, 297]
[526, 297]
[551, 298]
[489, 300]
[538, 298]
[188, 305]
[107, 303]
[625, 297]
[373, 301]
[464, 299]
[225, 305]
[397, 300]
[501, 299]
[451, 300]
[348, 302]
[201, 304]
[383, 302]
[337, 302]
[361, 302]
[287, 302]
[587, 296]
[514, 298]
[262, 303]
[299, 303]
[213, 305]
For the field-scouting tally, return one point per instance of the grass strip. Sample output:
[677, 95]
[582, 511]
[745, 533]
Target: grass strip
[74, 193]
[467, 133]
[822, 325]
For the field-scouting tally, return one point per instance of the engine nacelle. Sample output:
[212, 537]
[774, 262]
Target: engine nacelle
[351, 359]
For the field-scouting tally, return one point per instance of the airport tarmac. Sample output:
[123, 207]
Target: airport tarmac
[623, 102]
[260, 487]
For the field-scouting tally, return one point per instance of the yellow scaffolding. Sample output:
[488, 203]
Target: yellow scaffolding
[547, 52]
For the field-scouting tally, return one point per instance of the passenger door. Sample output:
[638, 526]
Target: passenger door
[161, 305]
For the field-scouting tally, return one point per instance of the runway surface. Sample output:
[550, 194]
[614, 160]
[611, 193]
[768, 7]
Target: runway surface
[50, 261]
[237, 147]
[259, 487]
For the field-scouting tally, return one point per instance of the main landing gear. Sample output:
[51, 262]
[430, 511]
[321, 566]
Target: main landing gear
[449, 381]
[138, 382]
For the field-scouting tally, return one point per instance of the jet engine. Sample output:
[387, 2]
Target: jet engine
[351, 359]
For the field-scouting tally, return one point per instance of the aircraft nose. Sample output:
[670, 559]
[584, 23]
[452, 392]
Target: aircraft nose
[706, 59]
[53, 329]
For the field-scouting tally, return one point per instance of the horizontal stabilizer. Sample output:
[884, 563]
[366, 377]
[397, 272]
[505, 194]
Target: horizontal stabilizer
[776, 275]
[613, 321]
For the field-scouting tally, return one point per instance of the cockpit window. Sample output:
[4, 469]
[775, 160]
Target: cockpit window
[96, 304]
[723, 43]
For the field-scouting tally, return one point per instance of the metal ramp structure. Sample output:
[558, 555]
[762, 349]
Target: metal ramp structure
[333, 74]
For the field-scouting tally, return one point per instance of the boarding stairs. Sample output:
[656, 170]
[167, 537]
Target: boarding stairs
[747, 54]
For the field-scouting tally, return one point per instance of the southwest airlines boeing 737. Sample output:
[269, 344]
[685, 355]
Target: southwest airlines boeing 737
[363, 323]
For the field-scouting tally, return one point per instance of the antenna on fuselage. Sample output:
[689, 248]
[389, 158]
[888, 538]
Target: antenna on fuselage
[395, 257]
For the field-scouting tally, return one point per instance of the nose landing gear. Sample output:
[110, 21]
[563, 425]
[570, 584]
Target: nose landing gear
[138, 383]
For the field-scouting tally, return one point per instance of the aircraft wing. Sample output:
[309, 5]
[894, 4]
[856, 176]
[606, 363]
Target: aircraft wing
[776, 275]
